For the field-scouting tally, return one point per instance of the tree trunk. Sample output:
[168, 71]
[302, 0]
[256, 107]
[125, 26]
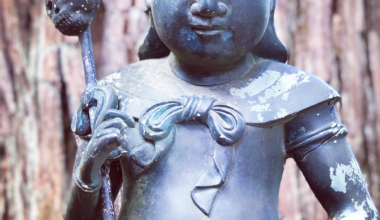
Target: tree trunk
[41, 79]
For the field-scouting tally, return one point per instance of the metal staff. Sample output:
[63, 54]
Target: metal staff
[90, 78]
[73, 22]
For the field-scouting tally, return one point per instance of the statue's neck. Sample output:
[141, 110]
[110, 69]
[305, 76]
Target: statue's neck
[210, 76]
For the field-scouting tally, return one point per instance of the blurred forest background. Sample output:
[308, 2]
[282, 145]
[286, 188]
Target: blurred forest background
[41, 79]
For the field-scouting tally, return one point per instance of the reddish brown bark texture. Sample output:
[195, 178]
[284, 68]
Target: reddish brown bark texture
[41, 79]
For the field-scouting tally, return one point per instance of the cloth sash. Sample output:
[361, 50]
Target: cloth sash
[226, 126]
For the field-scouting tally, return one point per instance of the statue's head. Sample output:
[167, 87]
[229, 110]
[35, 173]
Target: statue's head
[72, 17]
[209, 30]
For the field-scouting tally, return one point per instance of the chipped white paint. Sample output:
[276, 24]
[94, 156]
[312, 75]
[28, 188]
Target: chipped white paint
[338, 131]
[286, 83]
[258, 85]
[285, 96]
[260, 117]
[282, 113]
[78, 11]
[359, 214]
[331, 95]
[262, 99]
[261, 108]
[350, 172]
[111, 78]
[372, 208]
[71, 3]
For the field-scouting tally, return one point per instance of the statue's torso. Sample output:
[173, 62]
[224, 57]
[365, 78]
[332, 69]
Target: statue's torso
[251, 188]
[267, 97]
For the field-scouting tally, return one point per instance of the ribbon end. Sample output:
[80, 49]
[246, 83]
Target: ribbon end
[204, 198]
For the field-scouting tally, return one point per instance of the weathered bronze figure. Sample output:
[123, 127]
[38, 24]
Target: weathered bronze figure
[201, 129]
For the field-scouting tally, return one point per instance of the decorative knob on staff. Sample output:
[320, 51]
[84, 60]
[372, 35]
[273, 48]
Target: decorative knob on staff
[73, 18]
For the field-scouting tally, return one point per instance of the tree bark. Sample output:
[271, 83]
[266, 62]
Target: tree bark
[41, 79]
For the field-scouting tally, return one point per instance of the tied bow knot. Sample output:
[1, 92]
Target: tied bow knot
[196, 109]
[226, 126]
[225, 123]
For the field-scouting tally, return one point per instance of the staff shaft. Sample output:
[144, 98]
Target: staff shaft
[88, 57]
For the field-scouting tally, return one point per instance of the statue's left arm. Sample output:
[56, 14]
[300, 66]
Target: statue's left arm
[316, 140]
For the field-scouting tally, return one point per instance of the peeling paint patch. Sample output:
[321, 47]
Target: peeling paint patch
[286, 83]
[258, 85]
[260, 117]
[110, 78]
[331, 94]
[372, 208]
[359, 213]
[282, 113]
[262, 99]
[285, 96]
[338, 180]
[261, 108]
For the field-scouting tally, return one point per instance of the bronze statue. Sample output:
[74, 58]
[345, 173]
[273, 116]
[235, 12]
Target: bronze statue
[202, 126]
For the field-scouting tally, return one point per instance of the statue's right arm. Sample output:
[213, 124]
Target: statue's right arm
[94, 147]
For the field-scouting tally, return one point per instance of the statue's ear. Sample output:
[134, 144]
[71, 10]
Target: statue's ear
[270, 47]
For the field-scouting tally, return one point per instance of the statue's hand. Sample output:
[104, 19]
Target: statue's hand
[106, 132]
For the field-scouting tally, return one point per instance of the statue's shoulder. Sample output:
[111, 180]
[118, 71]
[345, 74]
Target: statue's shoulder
[142, 84]
[271, 92]
[139, 72]
[277, 92]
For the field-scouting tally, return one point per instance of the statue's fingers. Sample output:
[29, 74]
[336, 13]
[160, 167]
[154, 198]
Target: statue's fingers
[112, 139]
[114, 113]
[105, 142]
[106, 130]
[113, 123]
